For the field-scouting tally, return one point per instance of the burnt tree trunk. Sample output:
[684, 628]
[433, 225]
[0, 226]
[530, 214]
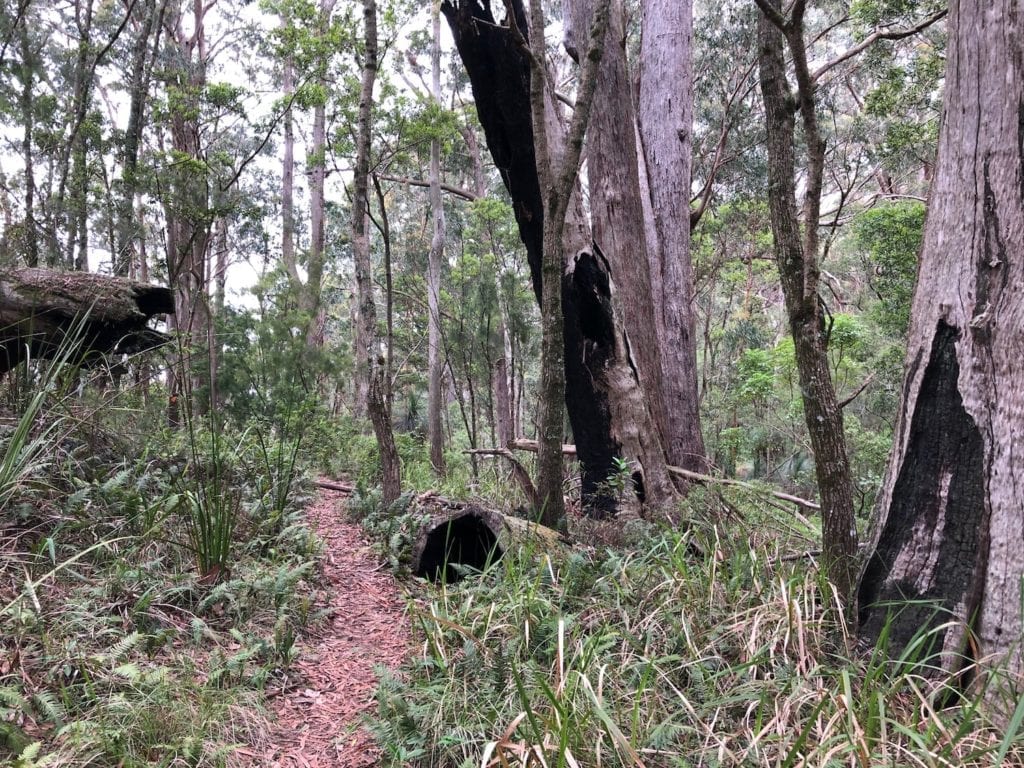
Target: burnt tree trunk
[949, 532]
[603, 396]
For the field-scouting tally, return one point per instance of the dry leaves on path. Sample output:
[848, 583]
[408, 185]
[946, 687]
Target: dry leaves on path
[319, 718]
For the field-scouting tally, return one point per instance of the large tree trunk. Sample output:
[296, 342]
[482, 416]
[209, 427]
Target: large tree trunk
[797, 259]
[665, 119]
[40, 307]
[603, 395]
[949, 532]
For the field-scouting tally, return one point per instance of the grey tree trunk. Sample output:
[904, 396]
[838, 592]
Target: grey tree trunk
[141, 66]
[949, 530]
[665, 114]
[373, 373]
[796, 254]
[435, 356]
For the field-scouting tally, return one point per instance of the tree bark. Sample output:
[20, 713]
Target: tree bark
[665, 120]
[38, 308]
[435, 358]
[373, 375]
[138, 87]
[797, 259]
[603, 395]
[949, 529]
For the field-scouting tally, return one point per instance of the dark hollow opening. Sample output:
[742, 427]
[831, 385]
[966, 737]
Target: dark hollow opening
[458, 548]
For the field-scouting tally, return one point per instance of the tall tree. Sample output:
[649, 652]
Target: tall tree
[665, 111]
[950, 518]
[605, 400]
[796, 254]
[377, 405]
[435, 358]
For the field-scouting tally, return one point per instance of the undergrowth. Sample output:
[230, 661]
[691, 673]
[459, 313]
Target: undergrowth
[152, 582]
[710, 647]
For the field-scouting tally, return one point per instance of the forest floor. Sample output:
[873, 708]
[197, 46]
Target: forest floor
[333, 680]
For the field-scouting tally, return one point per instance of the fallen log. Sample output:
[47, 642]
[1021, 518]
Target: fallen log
[522, 444]
[41, 308]
[459, 539]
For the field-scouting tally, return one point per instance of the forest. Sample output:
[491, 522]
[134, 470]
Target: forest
[524, 383]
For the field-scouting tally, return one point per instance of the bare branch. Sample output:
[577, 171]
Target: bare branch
[874, 37]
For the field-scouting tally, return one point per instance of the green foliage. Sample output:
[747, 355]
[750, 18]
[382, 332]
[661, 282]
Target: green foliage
[620, 657]
[890, 237]
[114, 633]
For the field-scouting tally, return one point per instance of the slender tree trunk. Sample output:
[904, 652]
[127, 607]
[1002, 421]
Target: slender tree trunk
[797, 259]
[665, 127]
[288, 178]
[138, 87]
[376, 399]
[28, 63]
[188, 210]
[317, 173]
[949, 533]
[435, 360]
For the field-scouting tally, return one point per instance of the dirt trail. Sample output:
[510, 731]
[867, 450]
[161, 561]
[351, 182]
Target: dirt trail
[318, 720]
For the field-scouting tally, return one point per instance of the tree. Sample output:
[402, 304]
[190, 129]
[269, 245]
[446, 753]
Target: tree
[949, 512]
[435, 359]
[557, 170]
[366, 337]
[796, 253]
[607, 406]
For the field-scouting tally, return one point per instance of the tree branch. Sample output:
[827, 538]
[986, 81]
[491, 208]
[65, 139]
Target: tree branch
[874, 37]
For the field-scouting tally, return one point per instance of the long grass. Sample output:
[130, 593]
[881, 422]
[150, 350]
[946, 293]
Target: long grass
[696, 650]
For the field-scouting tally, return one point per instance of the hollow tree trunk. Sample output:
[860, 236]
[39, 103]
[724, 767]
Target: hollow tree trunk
[38, 308]
[603, 396]
[949, 531]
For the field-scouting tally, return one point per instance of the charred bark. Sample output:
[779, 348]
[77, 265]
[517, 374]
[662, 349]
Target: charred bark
[949, 529]
[598, 370]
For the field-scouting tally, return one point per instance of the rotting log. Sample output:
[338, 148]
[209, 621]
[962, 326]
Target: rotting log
[462, 538]
[40, 309]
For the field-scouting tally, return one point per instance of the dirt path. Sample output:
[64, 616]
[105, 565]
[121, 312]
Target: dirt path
[319, 718]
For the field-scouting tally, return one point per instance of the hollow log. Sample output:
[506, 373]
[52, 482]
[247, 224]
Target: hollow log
[39, 308]
[461, 539]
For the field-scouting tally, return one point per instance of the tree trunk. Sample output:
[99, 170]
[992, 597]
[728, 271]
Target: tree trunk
[376, 392]
[603, 396]
[797, 260]
[28, 63]
[435, 359]
[949, 531]
[665, 120]
[138, 87]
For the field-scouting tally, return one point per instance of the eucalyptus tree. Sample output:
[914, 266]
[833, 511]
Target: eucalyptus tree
[948, 554]
[611, 418]
[377, 405]
[798, 252]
